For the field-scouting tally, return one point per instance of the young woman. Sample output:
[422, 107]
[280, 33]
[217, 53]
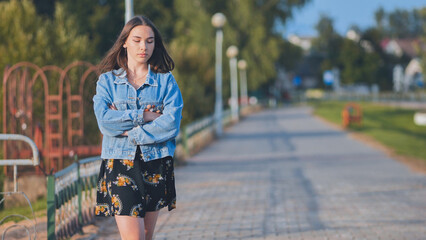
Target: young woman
[138, 107]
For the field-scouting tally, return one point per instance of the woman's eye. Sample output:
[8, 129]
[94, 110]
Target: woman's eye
[136, 41]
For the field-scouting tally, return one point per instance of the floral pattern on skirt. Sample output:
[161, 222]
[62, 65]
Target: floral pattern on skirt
[132, 188]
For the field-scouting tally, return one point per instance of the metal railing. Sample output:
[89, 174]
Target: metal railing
[15, 163]
[71, 198]
[204, 124]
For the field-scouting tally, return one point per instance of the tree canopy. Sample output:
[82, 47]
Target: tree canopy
[362, 60]
[61, 31]
[27, 36]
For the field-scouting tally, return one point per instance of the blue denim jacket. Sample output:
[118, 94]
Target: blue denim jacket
[156, 138]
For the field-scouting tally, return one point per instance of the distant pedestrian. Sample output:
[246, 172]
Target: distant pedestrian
[138, 107]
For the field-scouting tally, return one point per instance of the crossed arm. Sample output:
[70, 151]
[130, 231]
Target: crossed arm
[141, 127]
[148, 116]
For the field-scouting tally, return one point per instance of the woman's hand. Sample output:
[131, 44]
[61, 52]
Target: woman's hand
[150, 116]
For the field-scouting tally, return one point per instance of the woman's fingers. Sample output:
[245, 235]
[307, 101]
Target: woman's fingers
[112, 107]
[156, 114]
[151, 108]
[150, 116]
[151, 113]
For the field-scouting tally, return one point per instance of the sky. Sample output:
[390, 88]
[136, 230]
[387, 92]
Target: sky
[344, 14]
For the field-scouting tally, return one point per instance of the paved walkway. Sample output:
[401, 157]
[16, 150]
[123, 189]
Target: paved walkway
[283, 174]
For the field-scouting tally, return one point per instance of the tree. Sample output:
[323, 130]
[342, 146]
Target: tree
[291, 56]
[85, 30]
[20, 25]
[103, 20]
[327, 43]
[396, 24]
[358, 65]
[387, 61]
[45, 7]
[422, 13]
[26, 36]
[326, 32]
[379, 16]
[192, 49]
[400, 23]
[249, 26]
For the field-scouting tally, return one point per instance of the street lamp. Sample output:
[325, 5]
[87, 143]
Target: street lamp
[232, 53]
[129, 10]
[242, 65]
[218, 20]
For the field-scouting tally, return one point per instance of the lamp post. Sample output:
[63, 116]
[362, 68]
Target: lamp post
[232, 53]
[218, 20]
[129, 10]
[242, 65]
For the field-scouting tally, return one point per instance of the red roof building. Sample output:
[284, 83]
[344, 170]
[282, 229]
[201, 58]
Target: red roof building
[399, 47]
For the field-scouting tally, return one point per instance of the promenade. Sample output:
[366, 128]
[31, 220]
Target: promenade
[283, 174]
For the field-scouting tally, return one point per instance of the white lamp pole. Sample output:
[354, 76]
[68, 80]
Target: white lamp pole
[218, 20]
[242, 65]
[232, 53]
[129, 10]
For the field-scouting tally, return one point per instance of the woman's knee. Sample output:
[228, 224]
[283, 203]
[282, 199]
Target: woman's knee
[130, 228]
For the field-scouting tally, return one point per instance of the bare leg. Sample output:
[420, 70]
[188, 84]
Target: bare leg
[131, 228]
[150, 221]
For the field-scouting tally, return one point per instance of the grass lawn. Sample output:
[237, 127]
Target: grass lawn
[38, 207]
[393, 127]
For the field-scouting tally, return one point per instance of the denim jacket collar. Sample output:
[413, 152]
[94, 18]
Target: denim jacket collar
[122, 77]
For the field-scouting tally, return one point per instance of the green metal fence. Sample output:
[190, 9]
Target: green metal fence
[71, 198]
[203, 124]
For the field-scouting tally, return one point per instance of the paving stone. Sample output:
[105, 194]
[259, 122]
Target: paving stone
[283, 174]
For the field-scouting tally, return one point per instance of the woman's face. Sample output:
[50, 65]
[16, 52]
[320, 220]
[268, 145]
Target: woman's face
[140, 45]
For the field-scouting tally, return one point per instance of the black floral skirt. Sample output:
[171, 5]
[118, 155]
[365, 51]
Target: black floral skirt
[131, 188]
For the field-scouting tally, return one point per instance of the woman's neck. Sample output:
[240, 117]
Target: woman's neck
[138, 71]
[137, 75]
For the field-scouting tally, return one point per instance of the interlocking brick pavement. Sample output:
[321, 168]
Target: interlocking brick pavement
[283, 174]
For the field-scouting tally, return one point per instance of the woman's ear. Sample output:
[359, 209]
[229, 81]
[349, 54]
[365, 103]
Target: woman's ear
[124, 45]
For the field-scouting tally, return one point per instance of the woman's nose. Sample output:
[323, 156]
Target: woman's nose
[142, 45]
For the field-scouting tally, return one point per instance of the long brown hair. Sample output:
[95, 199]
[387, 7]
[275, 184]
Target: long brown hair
[116, 58]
